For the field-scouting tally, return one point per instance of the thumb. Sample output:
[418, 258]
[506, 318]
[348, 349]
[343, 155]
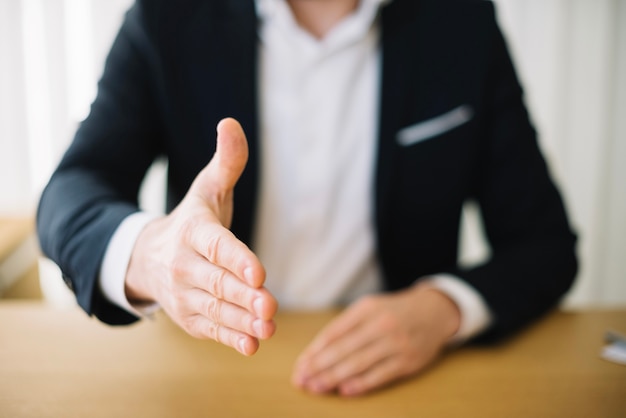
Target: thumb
[217, 180]
[231, 155]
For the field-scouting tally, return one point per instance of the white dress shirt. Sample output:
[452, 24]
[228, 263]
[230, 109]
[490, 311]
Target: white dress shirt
[318, 117]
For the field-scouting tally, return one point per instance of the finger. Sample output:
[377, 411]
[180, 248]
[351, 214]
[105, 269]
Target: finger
[223, 285]
[228, 315]
[265, 305]
[350, 366]
[231, 154]
[220, 247]
[227, 164]
[334, 353]
[379, 375]
[200, 326]
[348, 333]
[341, 326]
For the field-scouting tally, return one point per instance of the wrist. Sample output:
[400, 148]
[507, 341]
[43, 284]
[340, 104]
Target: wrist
[137, 284]
[444, 313]
[115, 263]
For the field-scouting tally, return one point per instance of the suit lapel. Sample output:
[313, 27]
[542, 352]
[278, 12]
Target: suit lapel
[235, 64]
[397, 97]
[244, 85]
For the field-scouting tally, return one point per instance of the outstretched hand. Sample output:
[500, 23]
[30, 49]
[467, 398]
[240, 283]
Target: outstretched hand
[204, 278]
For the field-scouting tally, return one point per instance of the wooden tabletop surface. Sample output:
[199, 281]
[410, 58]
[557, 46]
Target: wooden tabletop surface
[14, 231]
[60, 363]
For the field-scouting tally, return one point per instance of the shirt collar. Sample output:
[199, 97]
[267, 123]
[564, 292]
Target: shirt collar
[267, 8]
[277, 14]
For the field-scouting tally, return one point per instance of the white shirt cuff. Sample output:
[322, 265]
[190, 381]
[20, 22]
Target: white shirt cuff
[115, 264]
[475, 314]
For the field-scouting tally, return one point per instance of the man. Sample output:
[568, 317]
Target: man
[369, 124]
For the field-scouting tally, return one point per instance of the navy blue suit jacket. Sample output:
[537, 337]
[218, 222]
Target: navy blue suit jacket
[178, 67]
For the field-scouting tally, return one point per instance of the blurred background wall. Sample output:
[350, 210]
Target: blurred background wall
[570, 56]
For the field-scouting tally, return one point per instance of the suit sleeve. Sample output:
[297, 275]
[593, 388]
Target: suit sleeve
[96, 184]
[533, 259]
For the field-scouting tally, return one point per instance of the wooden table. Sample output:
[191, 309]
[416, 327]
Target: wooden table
[56, 363]
[18, 258]
[14, 231]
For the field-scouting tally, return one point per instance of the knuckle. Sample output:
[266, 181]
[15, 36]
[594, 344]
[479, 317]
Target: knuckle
[212, 331]
[186, 228]
[224, 336]
[213, 246]
[213, 310]
[241, 296]
[178, 267]
[201, 329]
[216, 283]
[388, 322]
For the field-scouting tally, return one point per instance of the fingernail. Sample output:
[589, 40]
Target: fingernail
[242, 345]
[317, 387]
[257, 326]
[248, 274]
[302, 380]
[258, 307]
[348, 390]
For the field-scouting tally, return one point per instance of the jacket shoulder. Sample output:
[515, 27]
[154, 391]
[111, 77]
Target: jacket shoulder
[168, 18]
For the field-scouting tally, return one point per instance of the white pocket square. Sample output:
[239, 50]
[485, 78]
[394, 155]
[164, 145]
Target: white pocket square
[435, 126]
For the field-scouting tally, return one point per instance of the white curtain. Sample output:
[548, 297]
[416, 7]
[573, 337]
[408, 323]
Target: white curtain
[51, 54]
[570, 54]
